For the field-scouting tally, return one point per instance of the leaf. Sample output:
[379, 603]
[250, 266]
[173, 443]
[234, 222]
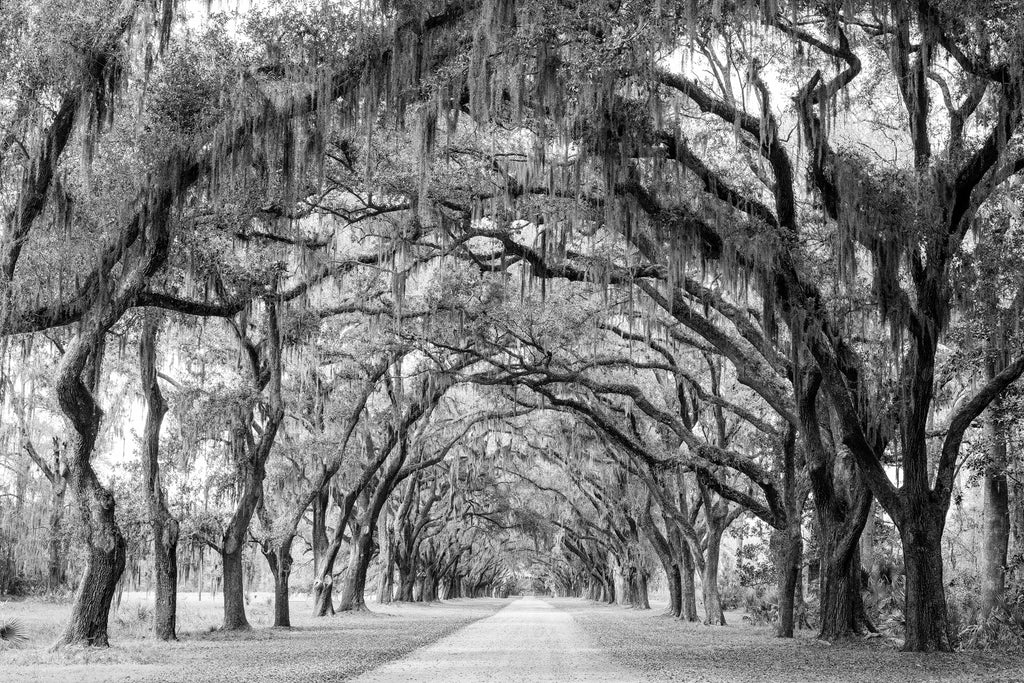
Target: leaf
[13, 632]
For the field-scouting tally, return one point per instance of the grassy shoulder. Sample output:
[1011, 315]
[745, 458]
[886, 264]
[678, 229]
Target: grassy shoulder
[665, 649]
[330, 648]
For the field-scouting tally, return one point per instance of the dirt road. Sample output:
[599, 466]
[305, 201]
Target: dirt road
[527, 641]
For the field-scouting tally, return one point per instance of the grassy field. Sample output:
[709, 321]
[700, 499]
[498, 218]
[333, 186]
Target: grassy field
[665, 649]
[328, 649]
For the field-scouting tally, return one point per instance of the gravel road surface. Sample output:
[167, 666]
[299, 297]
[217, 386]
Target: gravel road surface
[530, 640]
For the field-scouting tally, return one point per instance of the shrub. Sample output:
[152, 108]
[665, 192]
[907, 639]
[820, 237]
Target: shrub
[13, 632]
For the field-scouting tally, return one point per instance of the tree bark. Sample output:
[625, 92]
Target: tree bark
[105, 562]
[164, 527]
[386, 591]
[354, 585]
[251, 457]
[790, 557]
[997, 510]
[279, 558]
[713, 613]
[675, 590]
[93, 503]
[429, 592]
[233, 589]
[688, 586]
[928, 626]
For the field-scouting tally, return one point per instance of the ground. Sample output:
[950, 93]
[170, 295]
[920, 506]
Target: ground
[529, 640]
[659, 648]
[467, 640]
[328, 649]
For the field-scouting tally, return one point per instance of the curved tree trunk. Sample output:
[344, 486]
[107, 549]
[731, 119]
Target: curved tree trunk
[354, 585]
[323, 597]
[104, 562]
[842, 503]
[92, 502]
[323, 582]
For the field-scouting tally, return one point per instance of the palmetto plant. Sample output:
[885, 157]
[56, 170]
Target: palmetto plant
[13, 632]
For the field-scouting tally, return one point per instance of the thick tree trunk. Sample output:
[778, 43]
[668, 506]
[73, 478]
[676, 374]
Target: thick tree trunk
[323, 580]
[323, 597]
[165, 569]
[406, 581]
[105, 562]
[354, 585]
[641, 599]
[842, 605]
[789, 559]
[675, 590]
[842, 503]
[429, 591]
[996, 542]
[713, 613]
[997, 516]
[234, 588]
[279, 559]
[608, 590]
[669, 564]
[93, 503]
[928, 626]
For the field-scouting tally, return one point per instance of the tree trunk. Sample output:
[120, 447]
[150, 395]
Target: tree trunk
[165, 568]
[386, 590]
[842, 605]
[55, 575]
[105, 562]
[788, 571]
[163, 525]
[928, 626]
[252, 463]
[688, 587]
[354, 586]
[93, 503]
[867, 541]
[323, 597]
[641, 598]
[429, 593]
[406, 580]
[279, 559]
[997, 514]
[234, 588]
[675, 590]
[323, 581]
[713, 614]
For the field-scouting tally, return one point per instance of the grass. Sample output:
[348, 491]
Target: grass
[665, 649]
[332, 648]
